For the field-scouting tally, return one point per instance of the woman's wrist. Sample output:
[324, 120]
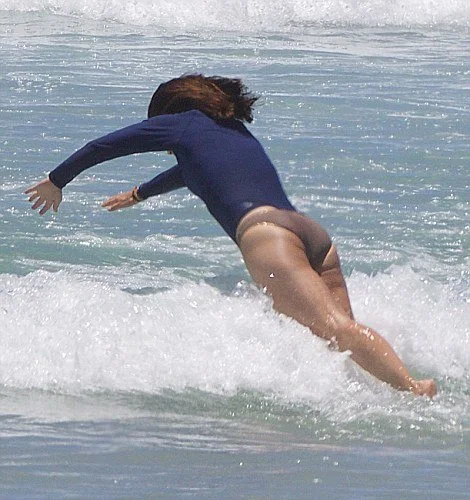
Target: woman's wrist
[135, 195]
[53, 181]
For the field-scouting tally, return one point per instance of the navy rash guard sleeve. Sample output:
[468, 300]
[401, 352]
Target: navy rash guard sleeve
[155, 134]
[163, 183]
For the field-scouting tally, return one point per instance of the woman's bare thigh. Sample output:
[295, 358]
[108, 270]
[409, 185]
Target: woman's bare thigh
[276, 259]
[333, 277]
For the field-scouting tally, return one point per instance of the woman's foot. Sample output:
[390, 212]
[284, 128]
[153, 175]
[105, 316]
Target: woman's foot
[425, 388]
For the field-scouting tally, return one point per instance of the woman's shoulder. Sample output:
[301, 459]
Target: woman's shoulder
[197, 121]
[186, 116]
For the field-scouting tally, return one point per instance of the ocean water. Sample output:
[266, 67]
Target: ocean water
[136, 358]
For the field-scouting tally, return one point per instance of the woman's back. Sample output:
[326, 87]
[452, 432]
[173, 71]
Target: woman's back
[227, 168]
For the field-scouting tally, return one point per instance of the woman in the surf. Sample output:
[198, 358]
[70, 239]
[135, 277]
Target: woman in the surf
[200, 119]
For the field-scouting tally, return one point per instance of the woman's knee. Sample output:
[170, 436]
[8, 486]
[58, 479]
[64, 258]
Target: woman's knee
[335, 326]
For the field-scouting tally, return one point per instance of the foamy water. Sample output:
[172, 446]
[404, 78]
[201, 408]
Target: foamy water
[252, 15]
[98, 337]
[74, 335]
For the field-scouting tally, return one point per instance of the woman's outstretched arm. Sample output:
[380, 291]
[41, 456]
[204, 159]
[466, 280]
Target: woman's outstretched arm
[163, 183]
[46, 194]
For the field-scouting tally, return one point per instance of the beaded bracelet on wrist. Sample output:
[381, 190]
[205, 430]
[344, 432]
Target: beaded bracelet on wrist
[135, 195]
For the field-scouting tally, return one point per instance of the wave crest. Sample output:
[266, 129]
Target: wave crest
[252, 15]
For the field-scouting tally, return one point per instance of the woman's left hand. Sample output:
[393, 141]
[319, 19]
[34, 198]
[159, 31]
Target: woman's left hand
[118, 201]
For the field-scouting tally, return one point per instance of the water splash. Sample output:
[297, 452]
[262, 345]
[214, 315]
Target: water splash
[68, 334]
[254, 15]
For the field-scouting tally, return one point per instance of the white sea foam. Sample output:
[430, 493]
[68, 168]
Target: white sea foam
[422, 318]
[63, 332]
[253, 15]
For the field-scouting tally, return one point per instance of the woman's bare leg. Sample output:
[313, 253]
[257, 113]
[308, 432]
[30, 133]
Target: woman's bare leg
[275, 258]
[333, 278]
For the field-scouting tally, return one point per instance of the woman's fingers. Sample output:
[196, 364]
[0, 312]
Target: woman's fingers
[121, 204]
[111, 206]
[46, 205]
[45, 195]
[108, 202]
[122, 200]
[55, 205]
[38, 203]
[33, 196]
[113, 200]
[45, 208]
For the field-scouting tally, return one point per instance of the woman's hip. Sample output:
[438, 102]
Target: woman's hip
[314, 237]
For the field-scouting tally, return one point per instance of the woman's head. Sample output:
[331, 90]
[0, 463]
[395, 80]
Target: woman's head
[218, 97]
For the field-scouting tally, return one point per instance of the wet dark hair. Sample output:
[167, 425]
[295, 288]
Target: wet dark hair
[218, 97]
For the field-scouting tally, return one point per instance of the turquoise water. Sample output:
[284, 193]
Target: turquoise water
[136, 358]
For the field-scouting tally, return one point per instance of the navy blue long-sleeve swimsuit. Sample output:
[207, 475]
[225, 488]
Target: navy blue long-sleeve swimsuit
[218, 161]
